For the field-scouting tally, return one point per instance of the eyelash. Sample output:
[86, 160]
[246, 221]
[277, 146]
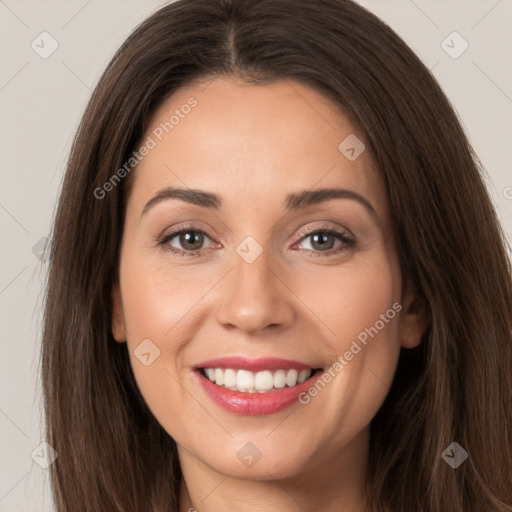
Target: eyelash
[347, 242]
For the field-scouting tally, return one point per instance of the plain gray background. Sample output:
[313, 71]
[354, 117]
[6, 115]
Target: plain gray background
[42, 99]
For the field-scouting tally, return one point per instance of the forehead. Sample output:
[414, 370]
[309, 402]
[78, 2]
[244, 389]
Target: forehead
[251, 142]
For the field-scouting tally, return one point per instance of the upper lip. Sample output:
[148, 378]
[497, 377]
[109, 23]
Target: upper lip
[254, 365]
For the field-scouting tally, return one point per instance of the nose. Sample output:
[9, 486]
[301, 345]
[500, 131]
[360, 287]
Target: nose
[256, 297]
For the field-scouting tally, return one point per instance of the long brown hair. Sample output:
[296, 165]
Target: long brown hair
[456, 386]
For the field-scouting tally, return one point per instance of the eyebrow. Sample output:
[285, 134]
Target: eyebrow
[294, 201]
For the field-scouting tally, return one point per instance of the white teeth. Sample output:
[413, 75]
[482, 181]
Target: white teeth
[280, 379]
[264, 381]
[291, 377]
[230, 378]
[244, 380]
[252, 382]
[303, 375]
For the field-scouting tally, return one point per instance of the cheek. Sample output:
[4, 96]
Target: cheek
[352, 299]
[164, 303]
[361, 306]
[156, 300]
[155, 308]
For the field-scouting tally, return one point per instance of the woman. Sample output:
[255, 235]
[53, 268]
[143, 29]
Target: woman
[277, 280]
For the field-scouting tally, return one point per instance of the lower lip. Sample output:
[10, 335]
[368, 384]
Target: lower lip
[253, 404]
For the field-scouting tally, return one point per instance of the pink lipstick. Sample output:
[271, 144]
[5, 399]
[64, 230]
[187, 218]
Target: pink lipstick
[254, 386]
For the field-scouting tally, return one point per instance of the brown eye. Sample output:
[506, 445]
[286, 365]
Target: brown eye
[186, 242]
[323, 241]
[191, 240]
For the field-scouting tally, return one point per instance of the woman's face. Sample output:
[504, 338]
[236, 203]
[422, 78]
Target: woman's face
[270, 269]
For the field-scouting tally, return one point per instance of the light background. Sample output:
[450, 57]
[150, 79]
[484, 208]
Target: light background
[41, 102]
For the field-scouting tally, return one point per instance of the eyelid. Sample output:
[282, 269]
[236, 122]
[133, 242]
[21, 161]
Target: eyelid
[302, 234]
[343, 235]
[168, 235]
[325, 227]
[169, 232]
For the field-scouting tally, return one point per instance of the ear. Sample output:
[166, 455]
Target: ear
[118, 323]
[413, 322]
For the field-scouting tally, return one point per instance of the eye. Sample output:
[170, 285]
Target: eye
[190, 241]
[323, 241]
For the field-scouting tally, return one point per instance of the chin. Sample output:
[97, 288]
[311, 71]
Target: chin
[258, 459]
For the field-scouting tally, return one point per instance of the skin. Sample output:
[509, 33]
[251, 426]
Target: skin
[252, 145]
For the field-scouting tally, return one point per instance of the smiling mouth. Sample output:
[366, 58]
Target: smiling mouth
[266, 381]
